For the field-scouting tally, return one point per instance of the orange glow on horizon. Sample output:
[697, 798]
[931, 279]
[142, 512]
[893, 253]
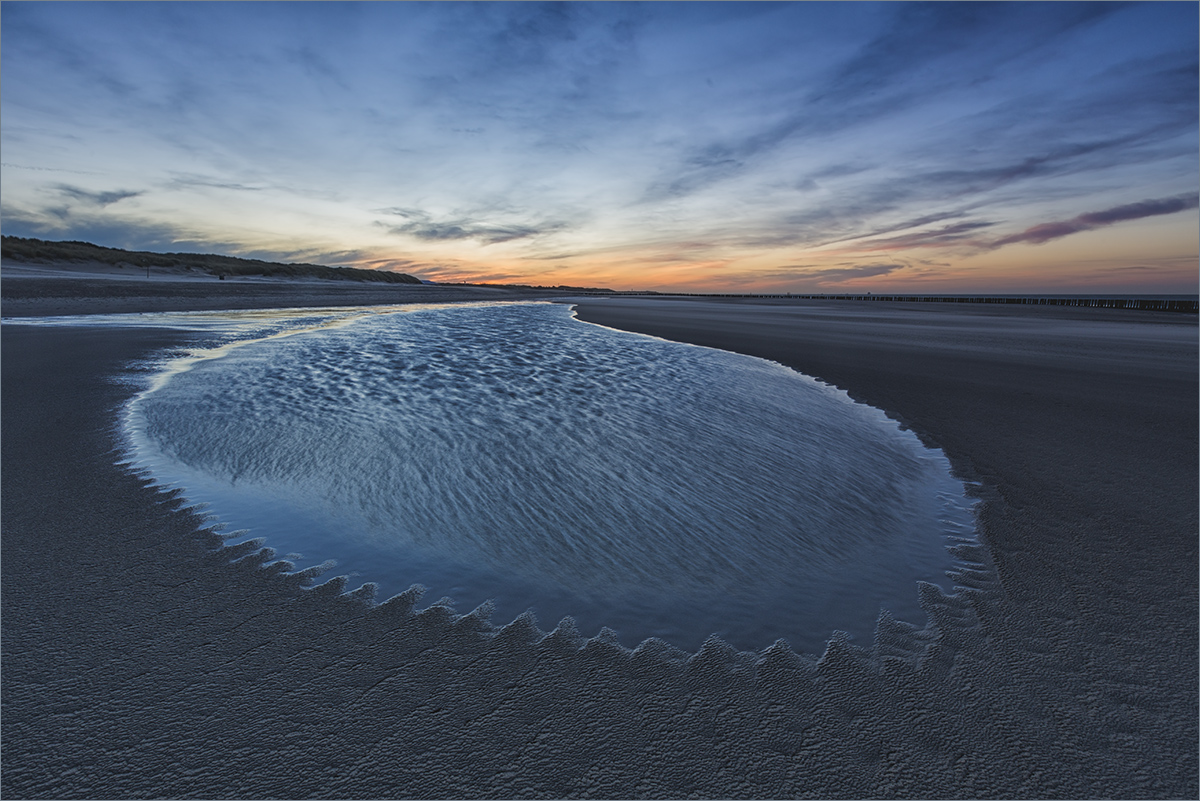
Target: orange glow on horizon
[1153, 256]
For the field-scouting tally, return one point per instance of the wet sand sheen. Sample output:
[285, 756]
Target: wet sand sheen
[138, 661]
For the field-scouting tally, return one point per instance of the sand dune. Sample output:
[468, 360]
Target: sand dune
[30, 290]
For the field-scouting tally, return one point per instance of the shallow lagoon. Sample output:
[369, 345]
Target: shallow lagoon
[510, 452]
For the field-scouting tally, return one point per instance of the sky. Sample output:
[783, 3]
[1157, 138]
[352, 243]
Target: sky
[743, 147]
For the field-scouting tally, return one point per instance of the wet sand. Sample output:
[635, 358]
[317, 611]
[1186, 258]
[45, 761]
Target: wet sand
[143, 659]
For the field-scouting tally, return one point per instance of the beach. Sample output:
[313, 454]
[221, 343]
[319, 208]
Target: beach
[32, 290]
[144, 659]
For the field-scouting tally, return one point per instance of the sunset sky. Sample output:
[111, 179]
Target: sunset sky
[929, 147]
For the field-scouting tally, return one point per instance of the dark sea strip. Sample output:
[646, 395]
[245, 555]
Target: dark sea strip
[1162, 303]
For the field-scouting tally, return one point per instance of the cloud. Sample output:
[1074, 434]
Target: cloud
[965, 233]
[1132, 268]
[335, 258]
[47, 169]
[449, 273]
[845, 213]
[799, 276]
[916, 222]
[924, 50]
[422, 226]
[921, 33]
[888, 195]
[528, 34]
[960, 181]
[554, 256]
[316, 65]
[1098, 219]
[186, 180]
[837, 275]
[946, 235]
[101, 229]
[376, 263]
[98, 198]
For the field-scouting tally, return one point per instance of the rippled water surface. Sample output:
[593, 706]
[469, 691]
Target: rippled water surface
[511, 452]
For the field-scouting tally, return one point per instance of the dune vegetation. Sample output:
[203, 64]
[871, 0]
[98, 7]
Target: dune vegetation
[37, 250]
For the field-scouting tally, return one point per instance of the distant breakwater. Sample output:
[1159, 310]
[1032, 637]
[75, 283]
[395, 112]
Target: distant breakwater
[1136, 304]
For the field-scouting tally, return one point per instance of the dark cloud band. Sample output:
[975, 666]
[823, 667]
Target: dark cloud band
[1099, 219]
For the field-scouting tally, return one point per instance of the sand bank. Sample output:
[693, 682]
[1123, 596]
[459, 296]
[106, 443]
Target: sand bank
[139, 660]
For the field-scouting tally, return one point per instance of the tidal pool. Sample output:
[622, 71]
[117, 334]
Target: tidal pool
[511, 452]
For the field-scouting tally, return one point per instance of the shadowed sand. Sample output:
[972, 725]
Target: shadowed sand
[142, 659]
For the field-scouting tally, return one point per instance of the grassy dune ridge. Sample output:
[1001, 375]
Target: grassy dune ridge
[37, 250]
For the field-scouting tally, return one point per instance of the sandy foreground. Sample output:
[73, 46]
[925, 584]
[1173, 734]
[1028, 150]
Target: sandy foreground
[141, 658]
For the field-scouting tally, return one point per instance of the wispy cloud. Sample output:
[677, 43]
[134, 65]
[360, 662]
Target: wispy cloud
[317, 65]
[965, 235]
[189, 180]
[842, 277]
[955, 234]
[423, 226]
[457, 273]
[927, 50]
[916, 222]
[1098, 219]
[12, 166]
[97, 198]
[838, 275]
[93, 225]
